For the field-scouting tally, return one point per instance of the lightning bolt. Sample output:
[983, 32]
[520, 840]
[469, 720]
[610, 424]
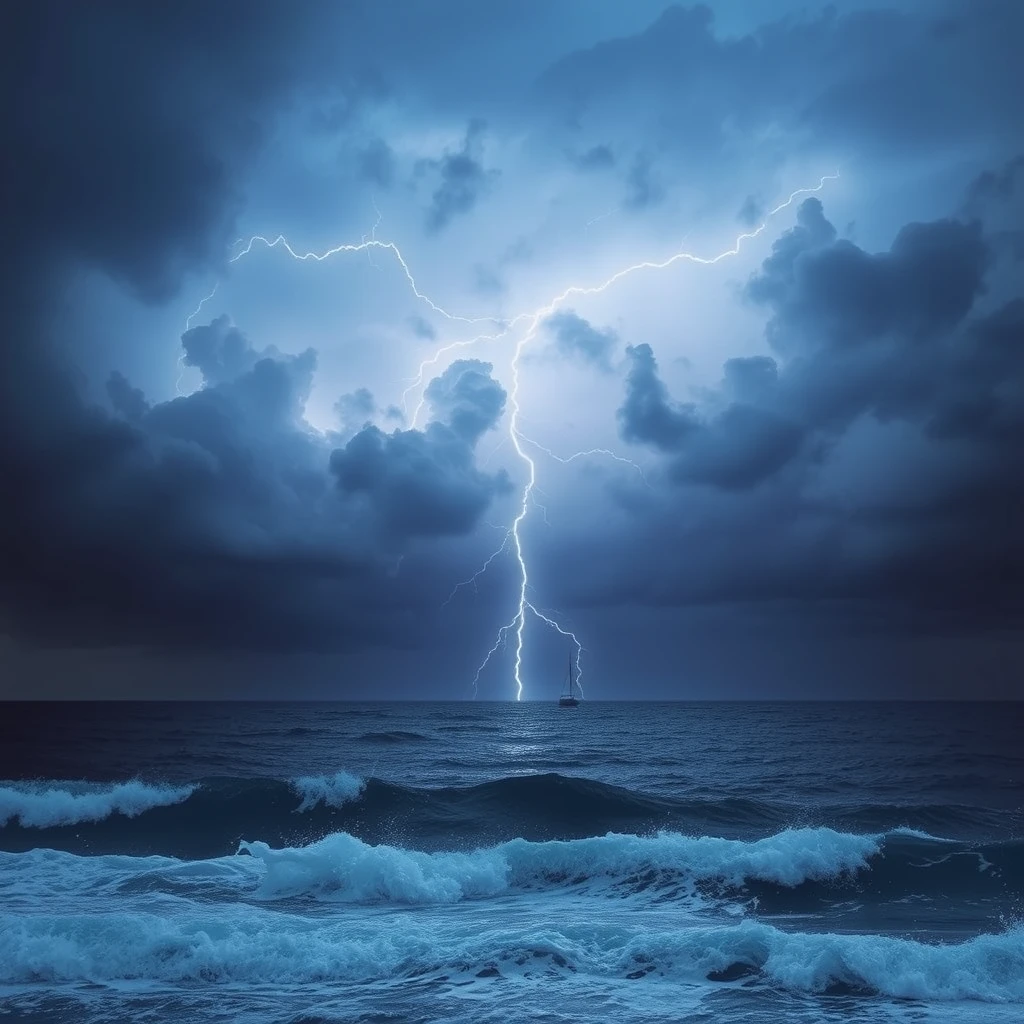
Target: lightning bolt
[188, 326]
[532, 322]
[537, 504]
[601, 216]
[367, 245]
[565, 460]
[373, 233]
[471, 582]
[533, 319]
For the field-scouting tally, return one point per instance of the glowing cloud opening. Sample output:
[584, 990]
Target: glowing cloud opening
[532, 321]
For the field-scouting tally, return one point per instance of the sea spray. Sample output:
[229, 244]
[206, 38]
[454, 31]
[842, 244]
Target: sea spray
[343, 867]
[45, 805]
[244, 944]
[330, 790]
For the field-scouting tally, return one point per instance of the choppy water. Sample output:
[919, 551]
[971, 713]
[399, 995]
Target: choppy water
[477, 862]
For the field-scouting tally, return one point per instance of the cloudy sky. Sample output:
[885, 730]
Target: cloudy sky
[794, 471]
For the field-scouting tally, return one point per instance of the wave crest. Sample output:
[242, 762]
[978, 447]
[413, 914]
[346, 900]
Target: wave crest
[330, 790]
[343, 867]
[244, 946]
[45, 805]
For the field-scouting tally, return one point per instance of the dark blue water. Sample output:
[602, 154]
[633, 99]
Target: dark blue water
[477, 862]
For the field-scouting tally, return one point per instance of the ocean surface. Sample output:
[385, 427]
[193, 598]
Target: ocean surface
[477, 862]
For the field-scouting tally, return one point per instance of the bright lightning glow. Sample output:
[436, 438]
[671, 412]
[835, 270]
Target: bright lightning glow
[367, 245]
[537, 504]
[532, 321]
[601, 216]
[471, 582]
[188, 326]
[373, 233]
[582, 455]
[202, 302]
[579, 647]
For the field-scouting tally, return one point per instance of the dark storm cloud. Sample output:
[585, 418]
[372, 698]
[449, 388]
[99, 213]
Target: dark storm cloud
[219, 351]
[597, 158]
[355, 87]
[900, 360]
[870, 333]
[355, 410]
[997, 197]
[125, 127]
[415, 483]
[734, 450]
[463, 178]
[751, 211]
[876, 458]
[739, 448]
[647, 415]
[127, 400]
[466, 399]
[824, 289]
[422, 328]
[125, 133]
[575, 337]
[982, 397]
[751, 379]
[211, 520]
[643, 187]
[863, 333]
[424, 483]
[220, 519]
[890, 81]
[188, 523]
[999, 184]
[375, 163]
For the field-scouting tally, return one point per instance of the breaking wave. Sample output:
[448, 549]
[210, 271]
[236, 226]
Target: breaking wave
[249, 945]
[330, 790]
[209, 817]
[57, 804]
[343, 867]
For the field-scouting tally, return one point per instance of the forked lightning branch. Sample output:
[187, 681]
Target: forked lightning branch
[523, 328]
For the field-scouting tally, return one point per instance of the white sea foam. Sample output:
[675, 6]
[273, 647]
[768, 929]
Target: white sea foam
[988, 967]
[331, 790]
[44, 805]
[42, 880]
[246, 944]
[343, 867]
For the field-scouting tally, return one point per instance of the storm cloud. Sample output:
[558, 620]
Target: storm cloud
[828, 428]
[883, 447]
[147, 521]
[463, 178]
[576, 337]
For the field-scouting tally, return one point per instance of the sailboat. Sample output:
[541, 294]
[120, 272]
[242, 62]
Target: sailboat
[568, 699]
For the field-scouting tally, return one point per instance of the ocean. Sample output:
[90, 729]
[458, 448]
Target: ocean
[475, 862]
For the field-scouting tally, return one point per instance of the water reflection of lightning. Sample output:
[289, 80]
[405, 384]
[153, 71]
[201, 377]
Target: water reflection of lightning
[532, 322]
